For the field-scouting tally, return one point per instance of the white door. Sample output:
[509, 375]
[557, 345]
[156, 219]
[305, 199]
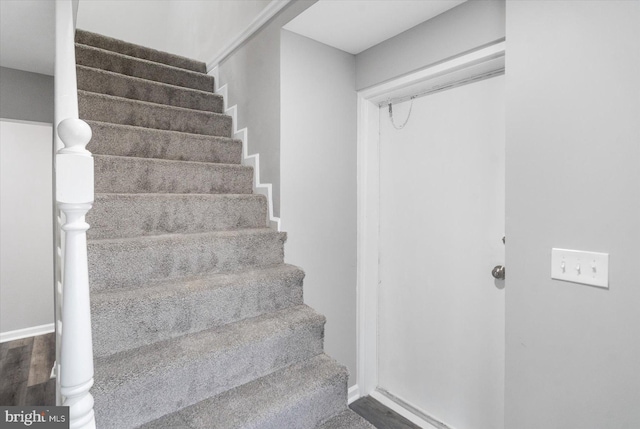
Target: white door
[441, 313]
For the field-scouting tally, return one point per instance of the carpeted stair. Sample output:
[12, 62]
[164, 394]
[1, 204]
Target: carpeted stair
[197, 321]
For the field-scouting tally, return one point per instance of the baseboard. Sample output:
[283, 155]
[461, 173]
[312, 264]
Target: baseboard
[353, 394]
[407, 411]
[263, 17]
[250, 160]
[26, 332]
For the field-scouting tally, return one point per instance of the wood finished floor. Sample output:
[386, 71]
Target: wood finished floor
[379, 415]
[25, 370]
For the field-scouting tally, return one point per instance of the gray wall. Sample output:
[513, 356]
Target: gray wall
[137, 21]
[26, 96]
[573, 181]
[252, 74]
[201, 29]
[318, 205]
[253, 71]
[465, 27]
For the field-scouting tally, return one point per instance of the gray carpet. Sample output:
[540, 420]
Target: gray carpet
[197, 321]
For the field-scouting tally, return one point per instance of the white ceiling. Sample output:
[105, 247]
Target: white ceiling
[27, 35]
[356, 25]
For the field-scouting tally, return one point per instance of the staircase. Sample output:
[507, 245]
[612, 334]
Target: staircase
[197, 321]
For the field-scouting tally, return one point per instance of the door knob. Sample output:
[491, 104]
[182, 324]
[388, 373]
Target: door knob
[498, 272]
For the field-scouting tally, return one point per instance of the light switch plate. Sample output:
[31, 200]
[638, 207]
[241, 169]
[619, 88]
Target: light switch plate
[589, 268]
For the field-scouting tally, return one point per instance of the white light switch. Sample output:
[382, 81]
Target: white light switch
[589, 268]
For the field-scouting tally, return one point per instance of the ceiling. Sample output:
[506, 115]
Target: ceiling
[356, 25]
[27, 35]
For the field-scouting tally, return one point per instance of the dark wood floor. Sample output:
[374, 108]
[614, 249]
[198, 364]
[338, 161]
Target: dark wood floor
[379, 415]
[25, 370]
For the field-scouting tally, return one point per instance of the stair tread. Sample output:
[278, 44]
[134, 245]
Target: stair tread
[128, 366]
[171, 162]
[262, 402]
[107, 82]
[129, 214]
[346, 420]
[121, 321]
[136, 141]
[104, 59]
[170, 375]
[131, 261]
[181, 134]
[180, 196]
[124, 174]
[181, 237]
[117, 98]
[185, 285]
[138, 51]
[120, 110]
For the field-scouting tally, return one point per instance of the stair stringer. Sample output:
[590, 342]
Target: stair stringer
[249, 160]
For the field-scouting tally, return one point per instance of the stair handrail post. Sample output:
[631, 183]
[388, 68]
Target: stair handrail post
[74, 190]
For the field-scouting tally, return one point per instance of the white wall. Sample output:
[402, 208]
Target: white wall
[467, 26]
[573, 181]
[26, 222]
[196, 29]
[318, 159]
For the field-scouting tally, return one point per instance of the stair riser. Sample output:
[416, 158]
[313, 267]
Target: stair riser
[117, 63]
[138, 175]
[302, 396]
[136, 403]
[95, 80]
[132, 50]
[122, 263]
[116, 110]
[311, 410]
[124, 140]
[119, 216]
[347, 420]
[125, 322]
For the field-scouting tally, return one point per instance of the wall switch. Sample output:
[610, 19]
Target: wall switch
[589, 268]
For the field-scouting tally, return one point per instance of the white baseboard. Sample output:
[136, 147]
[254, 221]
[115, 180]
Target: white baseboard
[407, 410]
[26, 332]
[353, 394]
[250, 160]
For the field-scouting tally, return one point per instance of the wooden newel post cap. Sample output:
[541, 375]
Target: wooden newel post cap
[75, 134]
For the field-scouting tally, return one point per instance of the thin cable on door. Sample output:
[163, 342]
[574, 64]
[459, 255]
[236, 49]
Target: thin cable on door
[399, 127]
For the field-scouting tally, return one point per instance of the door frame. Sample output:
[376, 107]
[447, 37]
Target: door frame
[439, 76]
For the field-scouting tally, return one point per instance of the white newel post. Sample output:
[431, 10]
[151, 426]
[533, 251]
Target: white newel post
[74, 194]
[74, 198]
